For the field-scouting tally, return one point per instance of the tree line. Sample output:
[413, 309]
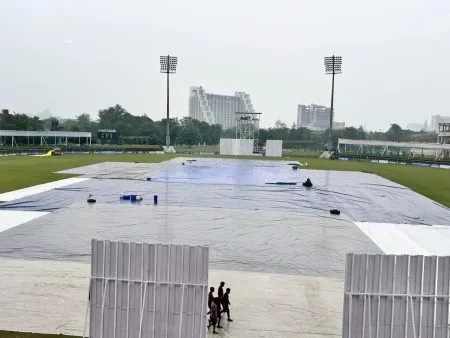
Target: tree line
[133, 129]
[294, 137]
[141, 129]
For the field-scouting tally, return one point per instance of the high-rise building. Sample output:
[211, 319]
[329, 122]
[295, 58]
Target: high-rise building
[218, 109]
[436, 119]
[313, 117]
[338, 125]
[444, 133]
[415, 126]
[303, 116]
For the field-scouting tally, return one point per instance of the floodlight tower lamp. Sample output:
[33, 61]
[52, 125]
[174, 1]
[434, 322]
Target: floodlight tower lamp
[168, 66]
[333, 65]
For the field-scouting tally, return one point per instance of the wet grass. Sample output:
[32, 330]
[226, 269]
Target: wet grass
[9, 334]
[433, 183]
[18, 172]
[23, 171]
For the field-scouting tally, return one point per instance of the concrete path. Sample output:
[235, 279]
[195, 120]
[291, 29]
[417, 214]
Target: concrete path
[51, 297]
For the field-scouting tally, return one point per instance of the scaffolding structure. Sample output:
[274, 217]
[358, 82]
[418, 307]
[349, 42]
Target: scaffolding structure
[247, 127]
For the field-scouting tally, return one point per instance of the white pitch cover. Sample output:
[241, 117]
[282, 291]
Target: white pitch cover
[226, 146]
[232, 146]
[245, 147]
[389, 296]
[274, 148]
[148, 290]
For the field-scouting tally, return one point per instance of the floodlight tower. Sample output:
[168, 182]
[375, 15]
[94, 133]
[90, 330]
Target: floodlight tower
[168, 66]
[333, 65]
[247, 126]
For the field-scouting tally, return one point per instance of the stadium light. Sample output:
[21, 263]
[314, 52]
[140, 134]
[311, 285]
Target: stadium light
[333, 65]
[168, 66]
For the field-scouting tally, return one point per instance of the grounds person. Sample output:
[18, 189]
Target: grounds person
[214, 313]
[220, 291]
[210, 298]
[220, 295]
[226, 304]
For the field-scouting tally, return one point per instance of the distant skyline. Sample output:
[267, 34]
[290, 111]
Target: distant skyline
[75, 57]
[416, 126]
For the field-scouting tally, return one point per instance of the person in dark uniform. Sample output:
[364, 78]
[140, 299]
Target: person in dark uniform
[210, 298]
[220, 295]
[307, 183]
[226, 304]
[220, 291]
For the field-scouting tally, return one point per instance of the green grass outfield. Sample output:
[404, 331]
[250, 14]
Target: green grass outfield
[18, 172]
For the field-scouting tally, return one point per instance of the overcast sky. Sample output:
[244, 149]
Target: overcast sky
[79, 56]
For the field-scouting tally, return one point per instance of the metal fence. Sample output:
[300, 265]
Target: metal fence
[396, 296]
[148, 290]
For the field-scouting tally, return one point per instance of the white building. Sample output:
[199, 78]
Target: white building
[436, 119]
[415, 126]
[338, 125]
[315, 117]
[444, 133]
[218, 109]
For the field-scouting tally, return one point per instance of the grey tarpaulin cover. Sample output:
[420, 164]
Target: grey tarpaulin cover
[241, 184]
[224, 204]
[260, 241]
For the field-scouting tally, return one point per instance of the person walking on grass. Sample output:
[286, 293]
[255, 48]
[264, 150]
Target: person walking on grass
[226, 304]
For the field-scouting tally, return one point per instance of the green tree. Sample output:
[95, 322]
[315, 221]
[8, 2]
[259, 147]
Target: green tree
[174, 129]
[35, 123]
[111, 117]
[84, 122]
[70, 125]
[395, 133]
[54, 124]
[189, 135]
[280, 125]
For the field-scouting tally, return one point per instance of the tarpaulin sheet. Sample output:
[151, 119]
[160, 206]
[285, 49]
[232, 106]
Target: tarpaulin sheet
[243, 184]
[249, 240]
[124, 170]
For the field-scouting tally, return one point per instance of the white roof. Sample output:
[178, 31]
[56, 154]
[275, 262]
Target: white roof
[18, 133]
[436, 146]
